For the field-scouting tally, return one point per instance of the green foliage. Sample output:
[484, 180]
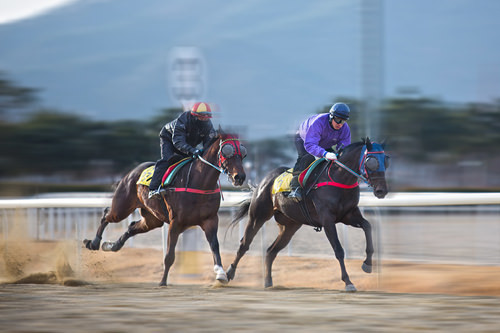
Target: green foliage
[47, 142]
[13, 97]
[429, 130]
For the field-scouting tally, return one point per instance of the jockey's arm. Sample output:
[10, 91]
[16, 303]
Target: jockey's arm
[179, 140]
[311, 143]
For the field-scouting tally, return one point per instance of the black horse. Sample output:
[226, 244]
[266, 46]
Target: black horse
[332, 196]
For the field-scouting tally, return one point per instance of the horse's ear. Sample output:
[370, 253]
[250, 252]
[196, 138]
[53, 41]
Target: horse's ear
[368, 143]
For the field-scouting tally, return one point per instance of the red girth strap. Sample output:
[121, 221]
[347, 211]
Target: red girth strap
[193, 190]
[332, 183]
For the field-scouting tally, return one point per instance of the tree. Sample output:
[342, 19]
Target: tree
[13, 97]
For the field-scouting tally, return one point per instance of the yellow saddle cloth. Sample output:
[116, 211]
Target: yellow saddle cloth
[146, 176]
[282, 182]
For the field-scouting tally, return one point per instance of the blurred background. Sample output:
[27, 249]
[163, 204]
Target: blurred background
[85, 86]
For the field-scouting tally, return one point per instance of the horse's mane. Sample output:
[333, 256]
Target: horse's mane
[355, 145]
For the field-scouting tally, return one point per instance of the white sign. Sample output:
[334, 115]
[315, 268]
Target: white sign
[186, 76]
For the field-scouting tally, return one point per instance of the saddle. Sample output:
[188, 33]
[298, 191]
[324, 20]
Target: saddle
[282, 182]
[168, 177]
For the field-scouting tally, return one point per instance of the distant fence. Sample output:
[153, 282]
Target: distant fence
[413, 226]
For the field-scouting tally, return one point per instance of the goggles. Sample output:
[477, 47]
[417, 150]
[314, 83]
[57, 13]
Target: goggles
[339, 120]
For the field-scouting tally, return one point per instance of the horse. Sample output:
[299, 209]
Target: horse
[192, 199]
[331, 196]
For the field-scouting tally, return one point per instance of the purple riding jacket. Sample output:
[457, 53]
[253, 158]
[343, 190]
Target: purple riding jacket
[318, 135]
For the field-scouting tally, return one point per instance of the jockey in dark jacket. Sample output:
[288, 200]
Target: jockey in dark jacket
[180, 137]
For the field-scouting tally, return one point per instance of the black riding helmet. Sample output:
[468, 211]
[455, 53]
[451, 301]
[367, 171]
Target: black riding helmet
[340, 110]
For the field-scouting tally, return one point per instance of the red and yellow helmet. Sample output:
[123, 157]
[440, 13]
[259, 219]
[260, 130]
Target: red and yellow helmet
[201, 110]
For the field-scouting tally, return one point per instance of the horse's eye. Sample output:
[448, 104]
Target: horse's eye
[227, 151]
[386, 161]
[243, 151]
[371, 163]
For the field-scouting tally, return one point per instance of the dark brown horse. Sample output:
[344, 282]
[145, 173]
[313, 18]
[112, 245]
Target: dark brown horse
[332, 196]
[193, 199]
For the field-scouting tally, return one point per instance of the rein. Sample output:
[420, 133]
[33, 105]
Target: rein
[340, 164]
[220, 169]
[213, 166]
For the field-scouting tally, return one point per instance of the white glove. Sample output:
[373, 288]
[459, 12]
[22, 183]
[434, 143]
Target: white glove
[331, 156]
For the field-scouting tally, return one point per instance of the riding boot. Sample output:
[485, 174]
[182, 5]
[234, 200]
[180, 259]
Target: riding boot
[296, 192]
[155, 185]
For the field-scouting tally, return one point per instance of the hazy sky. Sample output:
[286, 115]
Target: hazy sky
[12, 10]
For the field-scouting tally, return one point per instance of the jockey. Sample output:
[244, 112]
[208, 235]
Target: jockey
[180, 137]
[316, 137]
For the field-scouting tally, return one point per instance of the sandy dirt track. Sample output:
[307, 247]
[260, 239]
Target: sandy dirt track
[60, 289]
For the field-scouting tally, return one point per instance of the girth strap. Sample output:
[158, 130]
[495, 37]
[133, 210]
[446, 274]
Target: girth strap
[194, 190]
[332, 183]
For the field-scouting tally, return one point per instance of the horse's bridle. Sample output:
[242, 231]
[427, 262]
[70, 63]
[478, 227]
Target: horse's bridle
[227, 149]
[372, 161]
[369, 162]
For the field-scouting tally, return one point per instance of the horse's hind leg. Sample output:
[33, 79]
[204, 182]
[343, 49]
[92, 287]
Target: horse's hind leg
[257, 219]
[123, 204]
[96, 242]
[147, 223]
[287, 230]
[331, 233]
[210, 228]
[259, 211]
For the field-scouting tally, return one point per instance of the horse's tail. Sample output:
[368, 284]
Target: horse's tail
[242, 211]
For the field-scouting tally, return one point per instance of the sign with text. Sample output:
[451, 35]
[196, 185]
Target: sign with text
[186, 75]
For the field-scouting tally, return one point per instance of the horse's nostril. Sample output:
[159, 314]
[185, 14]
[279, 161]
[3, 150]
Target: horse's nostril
[239, 178]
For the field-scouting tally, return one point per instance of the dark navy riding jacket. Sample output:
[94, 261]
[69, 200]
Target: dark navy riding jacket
[186, 132]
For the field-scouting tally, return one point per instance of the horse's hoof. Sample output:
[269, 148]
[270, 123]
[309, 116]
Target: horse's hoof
[231, 271]
[88, 244]
[220, 274]
[107, 246]
[350, 288]
[222, 278]
[366, 268]
[268, 283]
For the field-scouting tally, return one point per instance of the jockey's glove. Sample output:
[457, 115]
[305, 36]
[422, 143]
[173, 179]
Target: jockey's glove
[330, 156]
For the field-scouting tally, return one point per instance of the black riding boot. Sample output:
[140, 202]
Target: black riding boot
[155, 184]
[296, 192]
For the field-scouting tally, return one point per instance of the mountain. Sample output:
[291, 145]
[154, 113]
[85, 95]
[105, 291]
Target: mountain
[268, 64]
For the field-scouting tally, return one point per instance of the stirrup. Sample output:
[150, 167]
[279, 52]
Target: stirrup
[296, 194]
[153, 193]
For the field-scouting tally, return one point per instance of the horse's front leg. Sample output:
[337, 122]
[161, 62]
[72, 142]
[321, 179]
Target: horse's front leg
[173, 237]
[331, 233]
[96, 242]
[357, 220]
[210, 228]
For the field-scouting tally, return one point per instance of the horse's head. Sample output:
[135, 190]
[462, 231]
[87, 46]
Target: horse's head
[231, 155]
[372, 165]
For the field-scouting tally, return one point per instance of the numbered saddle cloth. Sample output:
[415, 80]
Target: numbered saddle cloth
[168, 177]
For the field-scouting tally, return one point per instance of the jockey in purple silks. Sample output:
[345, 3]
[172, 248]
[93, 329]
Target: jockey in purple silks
[316, 137]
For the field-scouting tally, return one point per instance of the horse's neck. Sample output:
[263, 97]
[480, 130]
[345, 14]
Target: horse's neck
[350, 160]
[204, 176]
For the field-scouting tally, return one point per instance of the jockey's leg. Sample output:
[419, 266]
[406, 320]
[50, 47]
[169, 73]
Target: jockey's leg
[161, 166]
